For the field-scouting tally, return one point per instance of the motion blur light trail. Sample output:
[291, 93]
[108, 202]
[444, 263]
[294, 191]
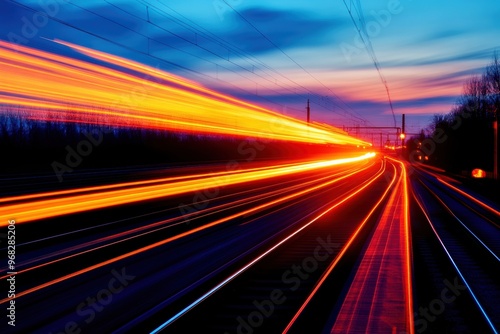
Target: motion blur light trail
[253, 209]
[484, 205]
[343, 251]
[45, 208]
[129, 184]
[57, 88]
[447, 181]
[170, 222]
[352, 194]
[380, 296]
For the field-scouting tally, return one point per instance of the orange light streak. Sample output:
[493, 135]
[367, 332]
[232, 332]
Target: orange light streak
[58, 88]
[53, 207]
[382, 284]
[408, 251]
[201, 228]
[441, 178]
[264, 254]
[136, 183]
[484, 205]
[154, 227]
[342, 252]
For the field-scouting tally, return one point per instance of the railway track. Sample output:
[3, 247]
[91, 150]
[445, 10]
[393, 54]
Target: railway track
[456, 260]
[363, 248]
[297, 286]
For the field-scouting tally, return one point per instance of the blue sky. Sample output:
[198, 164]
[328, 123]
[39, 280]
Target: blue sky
[280, 53]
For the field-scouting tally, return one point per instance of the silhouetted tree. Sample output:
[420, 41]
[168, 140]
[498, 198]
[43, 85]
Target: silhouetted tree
[493, 81]
[468, 127]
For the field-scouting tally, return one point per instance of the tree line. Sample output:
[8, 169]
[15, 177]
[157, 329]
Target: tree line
[463, 139]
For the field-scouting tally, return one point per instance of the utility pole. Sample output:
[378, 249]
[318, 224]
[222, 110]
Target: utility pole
[308, 112]
[403, 125]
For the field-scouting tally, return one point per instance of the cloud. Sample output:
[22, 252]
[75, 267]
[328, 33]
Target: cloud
[419, 102]
[445, 34]
[285, 28]
[451, 79]
[483, 54]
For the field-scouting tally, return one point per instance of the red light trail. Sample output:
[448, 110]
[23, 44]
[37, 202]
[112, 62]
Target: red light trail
[52, 207]
[73, 205]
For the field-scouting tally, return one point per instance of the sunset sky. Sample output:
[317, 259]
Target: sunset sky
[278, 54]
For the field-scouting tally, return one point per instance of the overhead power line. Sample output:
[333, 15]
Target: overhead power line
[281, 50]
[148, 54]
[265, 77]
[365, 38]
[199, 31]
